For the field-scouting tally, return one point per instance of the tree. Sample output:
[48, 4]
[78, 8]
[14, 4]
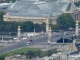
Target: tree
[1, 15]
[30, 54]
[54, 27]
[2, 57]
[28, 26]
[37, 27]
[1, 26]
[65, 21]
[77, 4]
[43, 27]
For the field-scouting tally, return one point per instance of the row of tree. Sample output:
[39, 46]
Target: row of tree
[64, 21]
[27, 26]
[38, 53]
[34, 53]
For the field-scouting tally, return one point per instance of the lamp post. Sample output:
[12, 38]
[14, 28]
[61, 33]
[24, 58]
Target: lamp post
[74, 42]
[34, 33]
[18, 33]
[2, 39]
[63, 37]
[49, 35]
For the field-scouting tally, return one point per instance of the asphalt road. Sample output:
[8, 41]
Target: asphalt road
[36, 40]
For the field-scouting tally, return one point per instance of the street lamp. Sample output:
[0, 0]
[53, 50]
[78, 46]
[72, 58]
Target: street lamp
[74, 38]
[64, 36]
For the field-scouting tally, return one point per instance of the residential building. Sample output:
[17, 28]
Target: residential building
[16, 57]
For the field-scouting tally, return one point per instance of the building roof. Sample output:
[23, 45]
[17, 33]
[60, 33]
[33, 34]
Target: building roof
[39, 8]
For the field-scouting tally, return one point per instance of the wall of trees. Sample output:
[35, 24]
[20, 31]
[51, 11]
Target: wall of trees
[27, 26]
[64, 21]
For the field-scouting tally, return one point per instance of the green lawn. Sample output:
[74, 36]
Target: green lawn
[78, 40]
[22, 50]
[1, 46]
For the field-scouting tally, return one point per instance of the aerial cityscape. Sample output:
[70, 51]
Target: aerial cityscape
[39, 29]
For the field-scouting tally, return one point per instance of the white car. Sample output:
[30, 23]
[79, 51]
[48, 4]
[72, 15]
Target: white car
[27, 44]
[15, 38]
[24, 38]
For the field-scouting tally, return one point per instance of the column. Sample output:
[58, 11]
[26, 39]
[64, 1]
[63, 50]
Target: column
[77, 28]
[49, 35]
[34, 32]
[47, 26]
[74, 46]
[2, 39]
[18, 33]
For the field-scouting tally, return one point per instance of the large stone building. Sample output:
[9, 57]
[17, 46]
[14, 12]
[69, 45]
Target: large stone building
[39, 11]
[75, 0]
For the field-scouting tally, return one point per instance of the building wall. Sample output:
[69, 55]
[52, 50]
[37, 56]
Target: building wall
[75, 0]
[52, 20]
[39, 20]
[76, 15]
[15, 57]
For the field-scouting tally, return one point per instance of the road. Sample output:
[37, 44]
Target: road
[36, 40]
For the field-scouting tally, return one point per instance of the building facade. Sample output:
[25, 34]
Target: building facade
[40, 11]
[75, 0]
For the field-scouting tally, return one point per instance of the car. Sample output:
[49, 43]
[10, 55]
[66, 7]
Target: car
[27, 44]
[30, 40]
[15, 38]
[24, 38]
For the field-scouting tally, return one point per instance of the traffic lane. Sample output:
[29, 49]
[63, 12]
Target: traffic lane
[22, 44]
[9, 48]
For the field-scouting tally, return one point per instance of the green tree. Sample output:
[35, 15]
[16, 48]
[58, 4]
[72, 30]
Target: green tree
[30, 54]
[1, 15]
[2, 57]
[28, 26]
[55, 27]
[43, 27]
[1, 26]
[37, 27]
[38, 53]
[65, 21]
[77, 4]
[15, 26]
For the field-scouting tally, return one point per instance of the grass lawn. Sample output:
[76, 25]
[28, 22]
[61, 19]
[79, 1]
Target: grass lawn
[22, 50]
[1, 46]
[78, 40]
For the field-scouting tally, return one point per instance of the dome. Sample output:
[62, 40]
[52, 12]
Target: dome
[40, 8]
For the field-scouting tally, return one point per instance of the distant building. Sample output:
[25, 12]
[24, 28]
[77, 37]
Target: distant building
[74, 57]
[16, 57]
[39, 11]
[75, 0]
[4, 6]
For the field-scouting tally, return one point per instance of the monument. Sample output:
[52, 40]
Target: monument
[49, 35]
[18, 33]
[72, 46]
[77, 29]
[47, 26]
